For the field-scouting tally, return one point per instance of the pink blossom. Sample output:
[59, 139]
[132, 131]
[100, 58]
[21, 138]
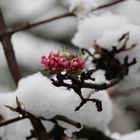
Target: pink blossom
[75, 65]
[54, 63]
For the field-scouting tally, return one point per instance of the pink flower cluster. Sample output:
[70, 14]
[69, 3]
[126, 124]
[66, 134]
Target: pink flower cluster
[75, 65]
[56, 63]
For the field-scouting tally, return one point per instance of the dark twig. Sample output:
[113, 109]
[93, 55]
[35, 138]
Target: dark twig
[64, 119]
[97, 102]
[12, 121]
[108, 5]
[38, 129]
[29, 25]
[9, 51]
[88, 85]
[92, 134]
[67, 120]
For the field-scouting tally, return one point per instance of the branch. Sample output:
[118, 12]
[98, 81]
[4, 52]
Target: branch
[67, 120]
[12, 121]
[108, 5]
[29, 25]
[9, 51]
[88, 85]
[64, 119]
[92, 134]
[39, 130]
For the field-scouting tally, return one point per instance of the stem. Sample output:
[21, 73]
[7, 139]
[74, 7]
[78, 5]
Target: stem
[69, 14]
[39, 130]
[31, 25]
[9, 51]
[92, 134]
[108, 5]
[67, 120]
[12, 121]
[88, 85]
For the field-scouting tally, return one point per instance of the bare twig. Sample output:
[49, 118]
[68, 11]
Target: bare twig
[29, 25]
[88, 85]
[39, 129]
[64, 119]
[108, 5]
[92, 134]
[67, 120]
[12, 121]
[9, 52]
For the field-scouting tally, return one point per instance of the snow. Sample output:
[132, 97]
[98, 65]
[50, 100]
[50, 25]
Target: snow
[24, 10]
[29, 49]
[110, 38]
[92, 27]
[56, 29]
[99, 76]
[131, 136]
[82, 7]
[41, 98]
[129, 9]
[37, 93]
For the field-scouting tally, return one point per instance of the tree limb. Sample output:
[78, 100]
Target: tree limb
[9, 51]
